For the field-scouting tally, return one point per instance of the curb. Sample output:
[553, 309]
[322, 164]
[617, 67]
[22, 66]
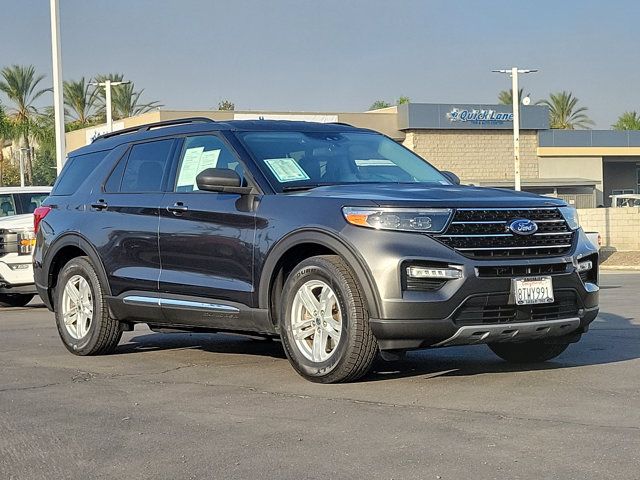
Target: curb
[617, 268]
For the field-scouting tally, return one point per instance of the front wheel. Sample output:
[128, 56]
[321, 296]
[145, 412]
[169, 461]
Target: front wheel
[528, 352]
[324, 322]
[15, 299]
[81, 311]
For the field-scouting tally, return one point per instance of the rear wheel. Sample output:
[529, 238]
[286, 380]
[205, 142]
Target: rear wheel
[81, 312]
[528, 352]
[15, 299]
[324, 322]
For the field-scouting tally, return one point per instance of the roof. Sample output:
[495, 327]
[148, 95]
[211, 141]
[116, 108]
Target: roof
[589, 138]
[199, 125]
[541, 182]
[25, 189]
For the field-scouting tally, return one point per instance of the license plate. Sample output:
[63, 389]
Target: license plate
[532, 290]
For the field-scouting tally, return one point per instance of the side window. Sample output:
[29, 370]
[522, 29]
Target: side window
[76, 171]
[28, 202]
[7, 206]
[200, 153]
[112, 185]
[145, 167]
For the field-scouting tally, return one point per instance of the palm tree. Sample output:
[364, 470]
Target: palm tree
[226, 105]
[21, 85]
[80, 99]
[563, 112]
[627, 121]
[505, 97]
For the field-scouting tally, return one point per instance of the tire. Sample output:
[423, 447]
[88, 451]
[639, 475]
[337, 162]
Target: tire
[93, 332]
[15, 299]
[528, 352]
[347, 345]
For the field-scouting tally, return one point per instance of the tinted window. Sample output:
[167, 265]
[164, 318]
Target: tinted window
[146, 166]
[112, 185]
[28, 202]
[200, 153]
[76, 171]
[321, 158]
[7, 206]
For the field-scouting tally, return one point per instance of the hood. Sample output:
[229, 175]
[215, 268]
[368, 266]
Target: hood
[17, 222]
[457, 196]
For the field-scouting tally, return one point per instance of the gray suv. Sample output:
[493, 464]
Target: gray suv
[335, 239]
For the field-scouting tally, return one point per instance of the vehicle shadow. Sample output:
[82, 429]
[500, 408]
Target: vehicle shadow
[207, 342]
[611, 339]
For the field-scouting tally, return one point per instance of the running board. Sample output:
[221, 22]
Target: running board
[511, 332]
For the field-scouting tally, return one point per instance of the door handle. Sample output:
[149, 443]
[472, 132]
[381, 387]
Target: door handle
[99, 205]
[178, 208]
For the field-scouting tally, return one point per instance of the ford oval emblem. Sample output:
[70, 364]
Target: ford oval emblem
[523, 226]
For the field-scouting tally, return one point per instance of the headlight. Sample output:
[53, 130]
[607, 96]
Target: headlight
[570, 215]
[426, 220]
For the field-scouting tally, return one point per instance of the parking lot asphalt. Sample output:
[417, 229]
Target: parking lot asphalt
[173, 406]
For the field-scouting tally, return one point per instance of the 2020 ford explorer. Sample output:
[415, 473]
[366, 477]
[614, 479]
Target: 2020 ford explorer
[336, 239]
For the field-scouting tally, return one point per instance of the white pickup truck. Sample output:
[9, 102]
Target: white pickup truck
[16, 243]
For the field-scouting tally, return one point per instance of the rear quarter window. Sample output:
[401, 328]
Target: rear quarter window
[76, 171]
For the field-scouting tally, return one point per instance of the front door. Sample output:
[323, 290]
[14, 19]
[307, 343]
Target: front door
[206, 243]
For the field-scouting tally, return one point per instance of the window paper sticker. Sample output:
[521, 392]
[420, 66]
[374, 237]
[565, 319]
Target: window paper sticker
[208, 159]
[189, 167]
[286, 169]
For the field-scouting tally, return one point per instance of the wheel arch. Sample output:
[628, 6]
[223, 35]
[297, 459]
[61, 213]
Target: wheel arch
[311, 242]
[65, 248]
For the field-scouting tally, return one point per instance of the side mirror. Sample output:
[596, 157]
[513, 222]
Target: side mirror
[452, 177]
[221, 180]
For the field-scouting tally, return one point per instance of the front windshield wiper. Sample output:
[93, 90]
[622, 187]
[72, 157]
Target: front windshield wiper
[298, 188]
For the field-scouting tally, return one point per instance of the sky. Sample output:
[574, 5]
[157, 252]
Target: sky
[338, 55]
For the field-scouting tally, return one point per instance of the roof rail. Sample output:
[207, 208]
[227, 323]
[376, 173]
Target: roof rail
[340, 123]
[150, 126]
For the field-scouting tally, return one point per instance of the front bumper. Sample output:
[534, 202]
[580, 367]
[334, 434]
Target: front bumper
[409, 319]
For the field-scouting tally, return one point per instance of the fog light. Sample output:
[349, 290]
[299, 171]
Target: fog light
[585, 266]
[430, 272]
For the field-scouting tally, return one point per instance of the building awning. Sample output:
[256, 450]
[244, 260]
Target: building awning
[540, 182]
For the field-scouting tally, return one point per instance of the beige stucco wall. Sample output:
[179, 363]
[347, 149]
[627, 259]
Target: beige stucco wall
[574, 167]
[476, 155]
[619, 228]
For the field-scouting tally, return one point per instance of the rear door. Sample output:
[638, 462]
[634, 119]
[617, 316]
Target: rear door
[125, 223]
[206, 241]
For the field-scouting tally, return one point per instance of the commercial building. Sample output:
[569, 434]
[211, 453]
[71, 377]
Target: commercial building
[584, 167]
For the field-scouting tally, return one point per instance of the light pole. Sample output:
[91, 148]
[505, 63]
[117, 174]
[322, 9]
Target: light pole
[514, 71]
[58, 108]
[107, 84]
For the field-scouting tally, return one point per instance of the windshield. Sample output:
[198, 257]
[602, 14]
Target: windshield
[295, 160]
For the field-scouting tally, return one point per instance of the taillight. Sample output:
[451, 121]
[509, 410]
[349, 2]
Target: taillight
[38, 214]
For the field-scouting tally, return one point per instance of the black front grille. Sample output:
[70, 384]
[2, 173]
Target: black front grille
[522, 270]
[484, 233]
[495, 309]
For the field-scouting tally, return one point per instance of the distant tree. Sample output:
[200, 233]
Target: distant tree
[378, 104]
[505, 97]
[403, 99]
[21, 85]
[564, 113]
[226, 105]
[627, 121]
[44, 161]
[6, 132]
[80, 100]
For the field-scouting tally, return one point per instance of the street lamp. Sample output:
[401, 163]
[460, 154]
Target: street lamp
[58, 107]
[107, 84]
[514, 71]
